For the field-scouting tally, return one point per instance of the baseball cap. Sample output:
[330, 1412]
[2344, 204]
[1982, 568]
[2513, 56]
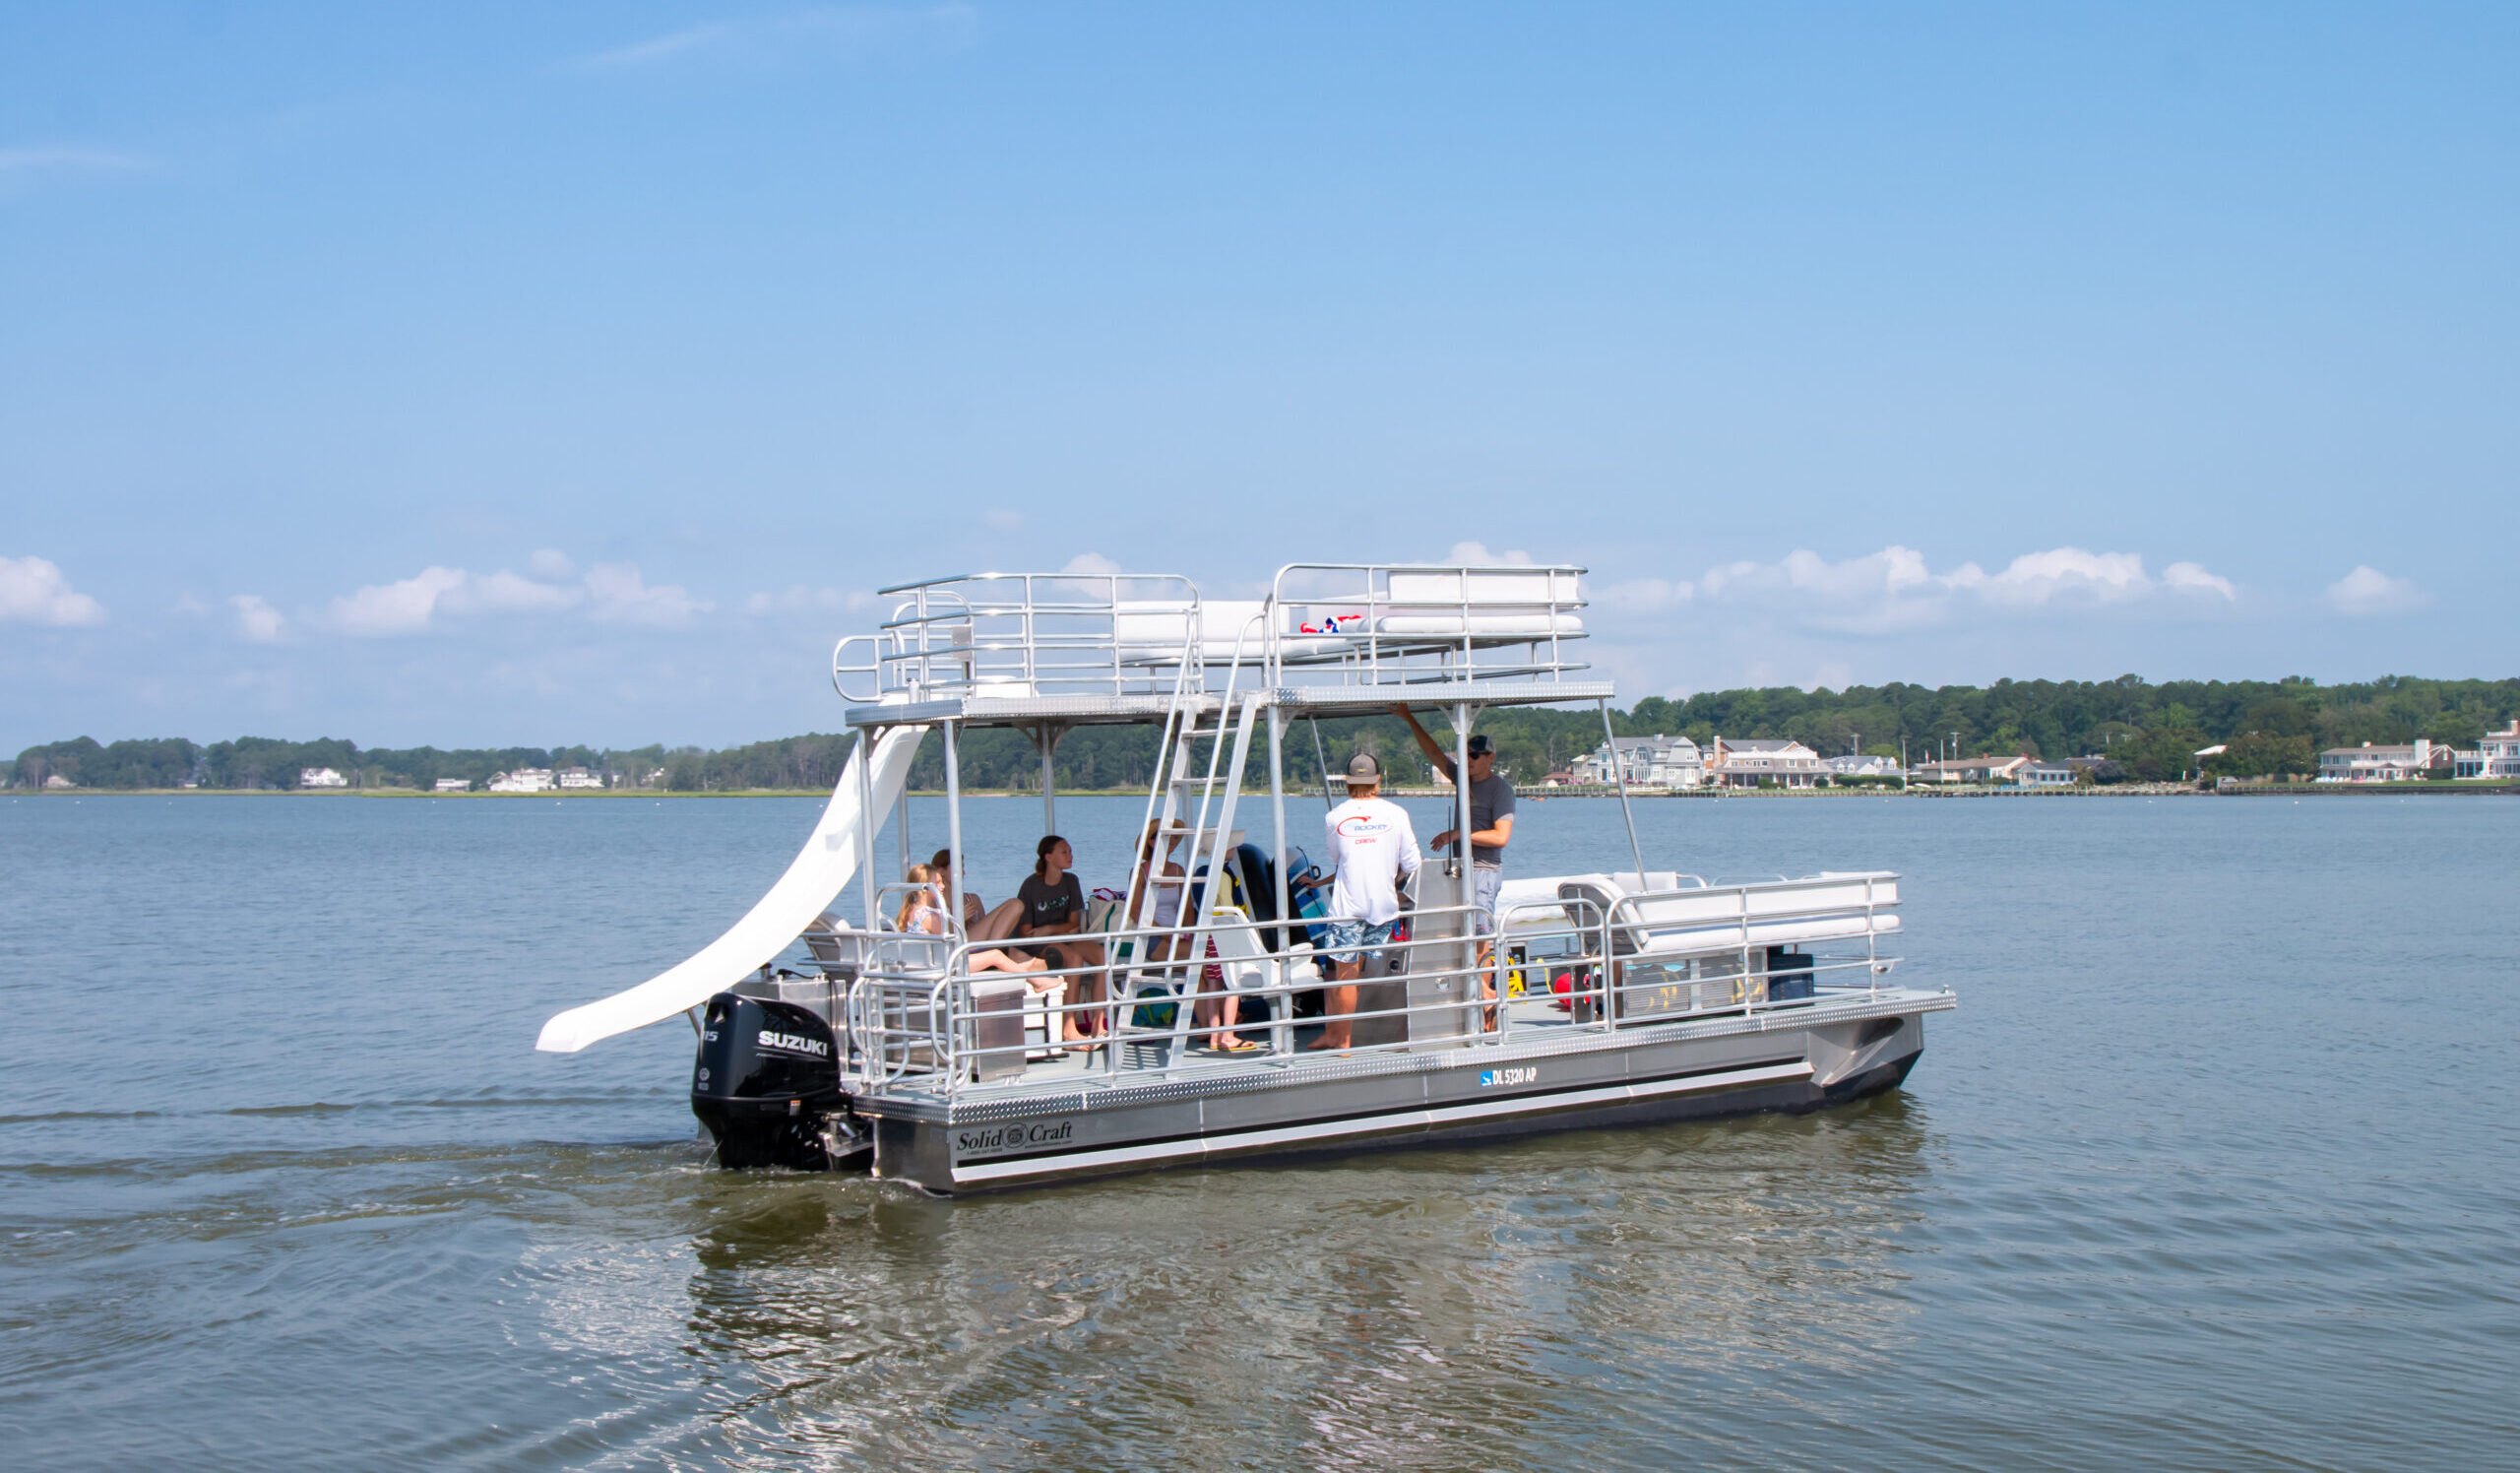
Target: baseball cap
[1362, 769]
[1479, 746]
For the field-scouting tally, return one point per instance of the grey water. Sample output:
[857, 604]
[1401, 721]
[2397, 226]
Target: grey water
[2216, 1166]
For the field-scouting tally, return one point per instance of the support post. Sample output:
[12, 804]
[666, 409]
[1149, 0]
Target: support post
[1747, 1005]
[1871, 941]
[953, 828]
[1278, 816]
[1048, 737]
[1618, 770]
[870, 950]
[867, 738]
[1465, 888]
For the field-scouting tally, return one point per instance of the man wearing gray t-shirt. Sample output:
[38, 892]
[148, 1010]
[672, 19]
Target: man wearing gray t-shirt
[1491, 819]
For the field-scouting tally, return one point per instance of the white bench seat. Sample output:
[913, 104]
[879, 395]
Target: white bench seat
[1656, 921]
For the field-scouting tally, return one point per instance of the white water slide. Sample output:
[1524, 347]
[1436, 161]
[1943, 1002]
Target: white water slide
[822, 869]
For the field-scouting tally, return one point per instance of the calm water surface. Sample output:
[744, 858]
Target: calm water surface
[2217, 1166]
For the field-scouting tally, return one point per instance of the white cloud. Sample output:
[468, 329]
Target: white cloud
[504, 592]
[1895, 589]
[33, 592]
[2037, 579]
[1476, 554]
[1648, 595]
[552, 563]
[257, 620]
[2369, 590]
[29, 159]
[622, 596]
[610, 593]
[2190, 577]
[1091, 562]
[405, 606]
[801, 600]
[824, 30]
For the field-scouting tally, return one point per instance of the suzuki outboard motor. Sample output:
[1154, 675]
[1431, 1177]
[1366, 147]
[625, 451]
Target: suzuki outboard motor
[766, 1085]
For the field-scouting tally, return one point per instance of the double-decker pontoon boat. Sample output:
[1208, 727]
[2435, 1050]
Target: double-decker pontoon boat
[1611, 996]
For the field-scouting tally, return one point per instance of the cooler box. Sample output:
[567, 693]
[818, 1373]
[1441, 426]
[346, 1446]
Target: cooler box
[996, 1022]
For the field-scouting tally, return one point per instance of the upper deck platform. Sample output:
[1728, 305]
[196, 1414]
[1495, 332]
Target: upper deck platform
[1016, 648]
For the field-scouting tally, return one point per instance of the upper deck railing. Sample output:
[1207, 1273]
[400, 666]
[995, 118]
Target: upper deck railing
[1025, 634]
[1122, 635]
[1358, 623]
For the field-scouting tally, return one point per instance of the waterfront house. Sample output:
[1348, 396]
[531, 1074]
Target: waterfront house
[454, 785]
[1861, 767]
[321, 777]
[1656, 761]
[1983, 769]
[579, 778]
[523, 780]
[2380, 764]
[1757, 761]
[2045, 775]
[2496, 756]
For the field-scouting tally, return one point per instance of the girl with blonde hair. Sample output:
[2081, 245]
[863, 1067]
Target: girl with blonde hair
[922, 913]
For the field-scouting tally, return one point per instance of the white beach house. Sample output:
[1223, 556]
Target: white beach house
[1656, 761]
[2496, 756]
[1751, 762]
[1986, 769]
[2380, 764]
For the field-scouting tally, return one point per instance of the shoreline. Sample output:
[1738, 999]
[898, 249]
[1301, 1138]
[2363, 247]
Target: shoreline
[1536, 795]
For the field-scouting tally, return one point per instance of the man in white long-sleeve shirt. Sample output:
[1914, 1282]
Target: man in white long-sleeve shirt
[1372, 845]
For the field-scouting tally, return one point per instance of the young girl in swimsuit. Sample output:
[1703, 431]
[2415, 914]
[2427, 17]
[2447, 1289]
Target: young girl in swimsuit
[923, 914]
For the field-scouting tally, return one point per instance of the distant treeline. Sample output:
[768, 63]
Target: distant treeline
[2151, 732]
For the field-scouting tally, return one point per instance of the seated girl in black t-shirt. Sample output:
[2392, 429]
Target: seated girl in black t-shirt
[1053, 912]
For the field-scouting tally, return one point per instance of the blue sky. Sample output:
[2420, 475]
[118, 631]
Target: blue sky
[472, 374]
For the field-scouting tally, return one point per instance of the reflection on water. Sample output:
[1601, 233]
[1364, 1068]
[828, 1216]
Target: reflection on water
[1399, 1310]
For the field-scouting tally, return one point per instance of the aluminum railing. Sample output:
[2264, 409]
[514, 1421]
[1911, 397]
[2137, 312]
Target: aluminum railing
[1625, 989]
[1033, 634]
[1413, 623]
[917, 1026]
[908, 1022]
[1125, 635]
[1664, 930]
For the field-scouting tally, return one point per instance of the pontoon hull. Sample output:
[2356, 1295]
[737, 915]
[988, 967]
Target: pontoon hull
[1833, 1055]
